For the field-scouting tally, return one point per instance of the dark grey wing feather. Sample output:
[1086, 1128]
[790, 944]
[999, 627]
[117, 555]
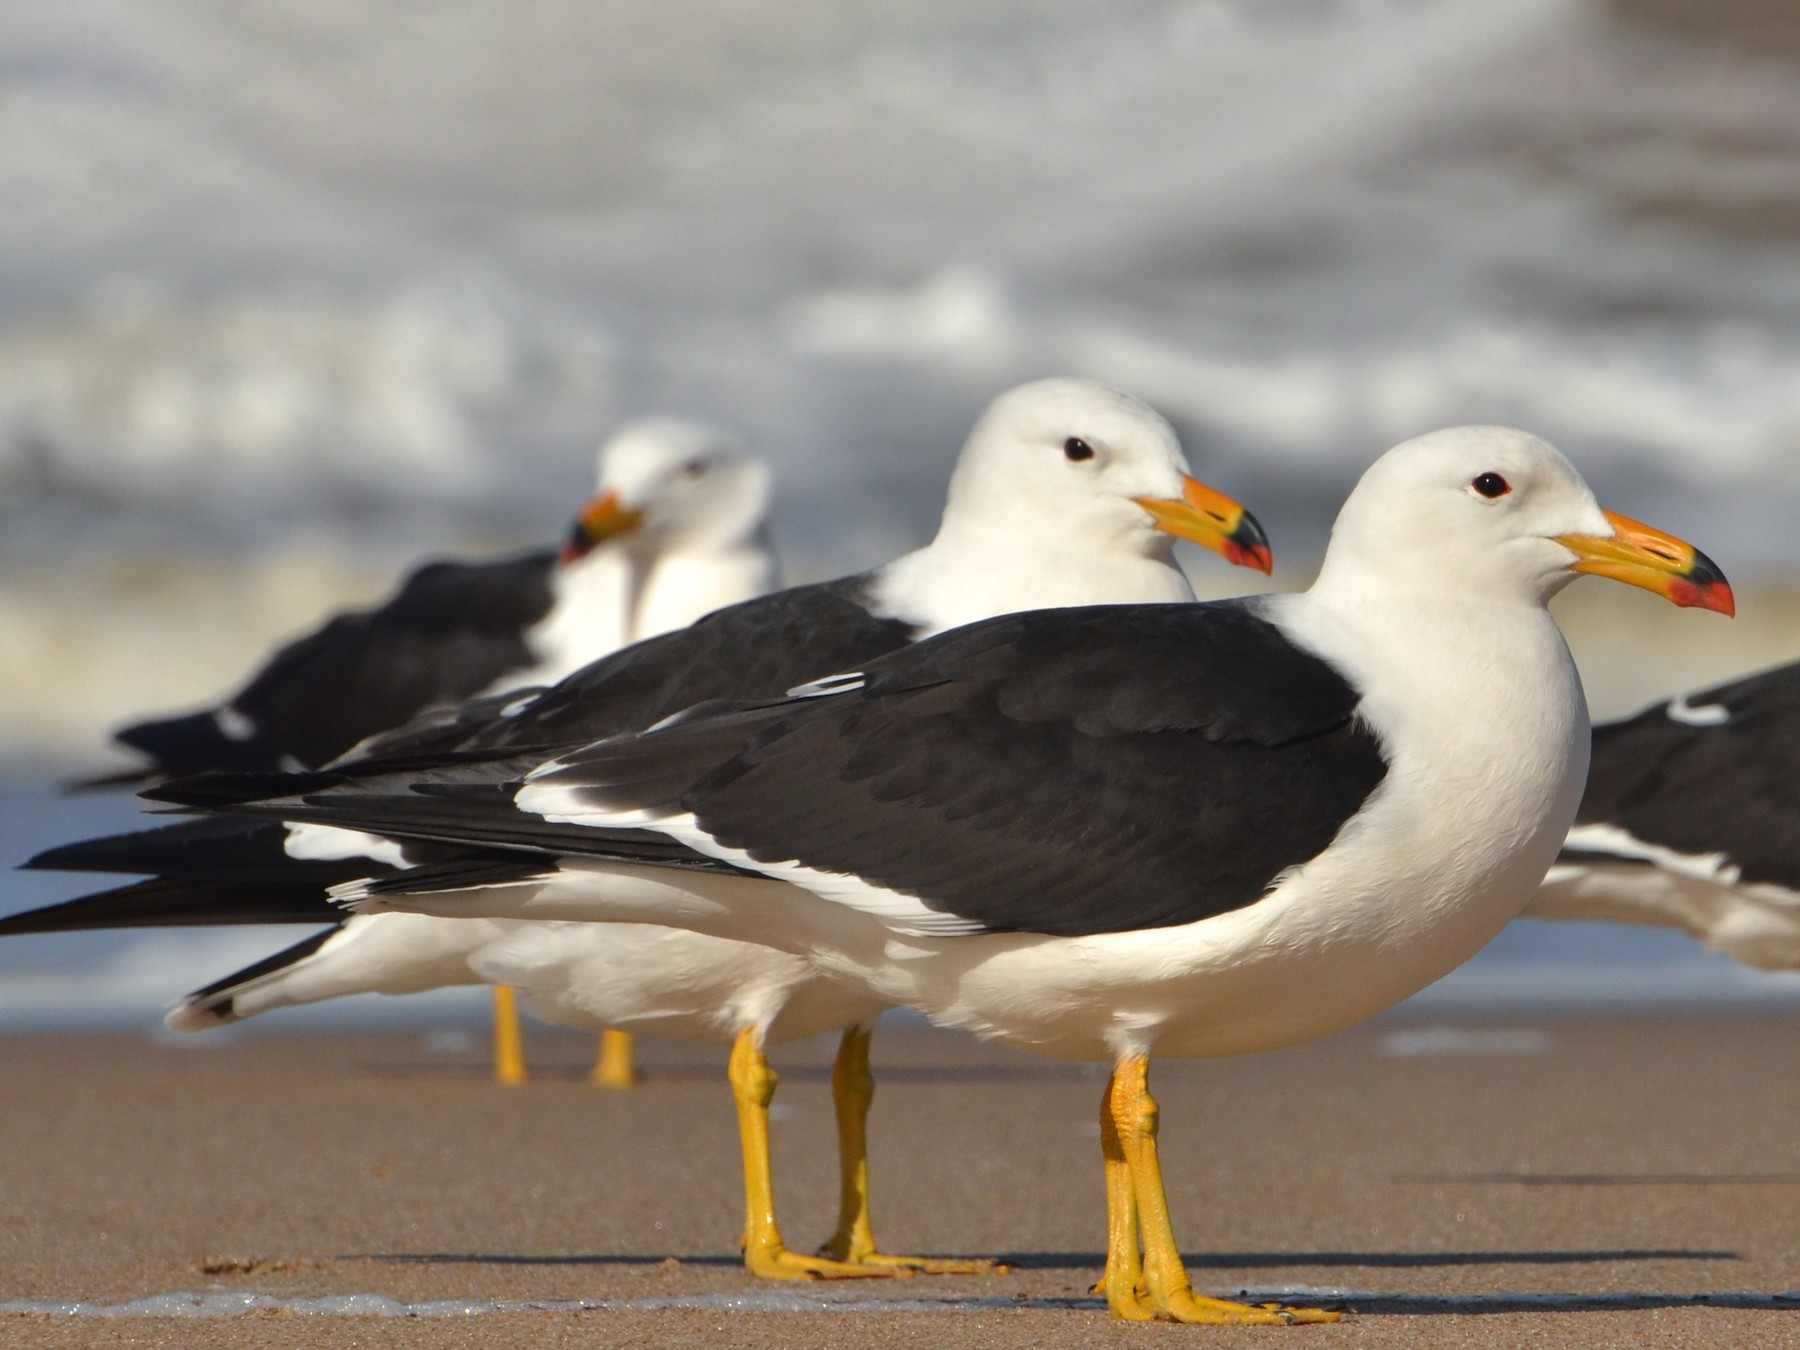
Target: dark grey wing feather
[760, 648]
[214, 847]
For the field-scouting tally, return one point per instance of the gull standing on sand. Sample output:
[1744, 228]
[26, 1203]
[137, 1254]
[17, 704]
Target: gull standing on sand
[1106, 833]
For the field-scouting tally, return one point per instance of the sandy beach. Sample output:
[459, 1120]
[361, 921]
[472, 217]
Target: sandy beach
[1543, 1182]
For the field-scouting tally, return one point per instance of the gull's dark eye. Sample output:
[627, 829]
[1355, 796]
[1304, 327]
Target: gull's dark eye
[694, 468]
[1077, 449]
[1491, 485]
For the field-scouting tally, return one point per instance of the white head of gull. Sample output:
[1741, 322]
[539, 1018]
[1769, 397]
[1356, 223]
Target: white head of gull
[682, 485]
[675, 530]
[1066, 493]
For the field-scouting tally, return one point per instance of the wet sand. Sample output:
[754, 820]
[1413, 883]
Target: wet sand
[1436, 1181]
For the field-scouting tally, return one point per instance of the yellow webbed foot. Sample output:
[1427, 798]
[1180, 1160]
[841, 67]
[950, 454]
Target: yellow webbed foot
[1184, 1305]
[852, 1090]
[1144, 1273]
[923, 1265]
[778, 1263]
[765, 1254]
[1132, 1305]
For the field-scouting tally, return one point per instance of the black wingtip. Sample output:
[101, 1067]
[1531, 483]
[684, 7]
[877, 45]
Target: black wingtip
[62, 858]
[216, 846]
[197, 790]
[189, 744]
[123, 778]
[109, 853]
[173, 903]
[236, 789]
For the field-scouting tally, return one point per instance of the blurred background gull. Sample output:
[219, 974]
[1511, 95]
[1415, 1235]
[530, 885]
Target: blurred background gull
[295, 291]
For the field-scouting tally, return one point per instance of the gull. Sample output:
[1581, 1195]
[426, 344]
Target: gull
[1108, 833]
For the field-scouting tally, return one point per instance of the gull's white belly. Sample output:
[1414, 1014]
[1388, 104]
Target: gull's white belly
[667, 982]
[1276, 973]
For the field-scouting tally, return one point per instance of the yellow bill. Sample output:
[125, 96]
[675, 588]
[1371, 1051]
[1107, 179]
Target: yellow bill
[603, 518]
[1639, 555]
[1212, 520]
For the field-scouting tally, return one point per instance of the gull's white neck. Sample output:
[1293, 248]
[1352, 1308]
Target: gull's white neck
[684, 584]
[610, 599]
[1485, 686]
[976, 570]
[589, 617]
[1483, 721]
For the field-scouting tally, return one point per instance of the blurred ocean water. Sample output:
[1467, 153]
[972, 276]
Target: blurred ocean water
[382, 270]
[294, 290]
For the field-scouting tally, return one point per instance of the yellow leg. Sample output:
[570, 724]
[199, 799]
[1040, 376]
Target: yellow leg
[1171, 1297]
[765, 1254]
[852, 1092]
[1123, 1282]
[509, 1041]
[615, 1067]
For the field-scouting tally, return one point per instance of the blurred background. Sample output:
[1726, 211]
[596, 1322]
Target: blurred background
[294, 291]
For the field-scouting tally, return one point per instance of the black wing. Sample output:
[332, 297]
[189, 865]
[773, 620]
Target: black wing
[1731, 788]
[460, 819]
[451, 631]
[1064, 772]
[434, 732]
[215, 870]
[760, 648]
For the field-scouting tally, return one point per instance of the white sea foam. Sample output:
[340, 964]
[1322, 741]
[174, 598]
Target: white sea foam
[1439, 1039]
[248, 280]
[220, 1305]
